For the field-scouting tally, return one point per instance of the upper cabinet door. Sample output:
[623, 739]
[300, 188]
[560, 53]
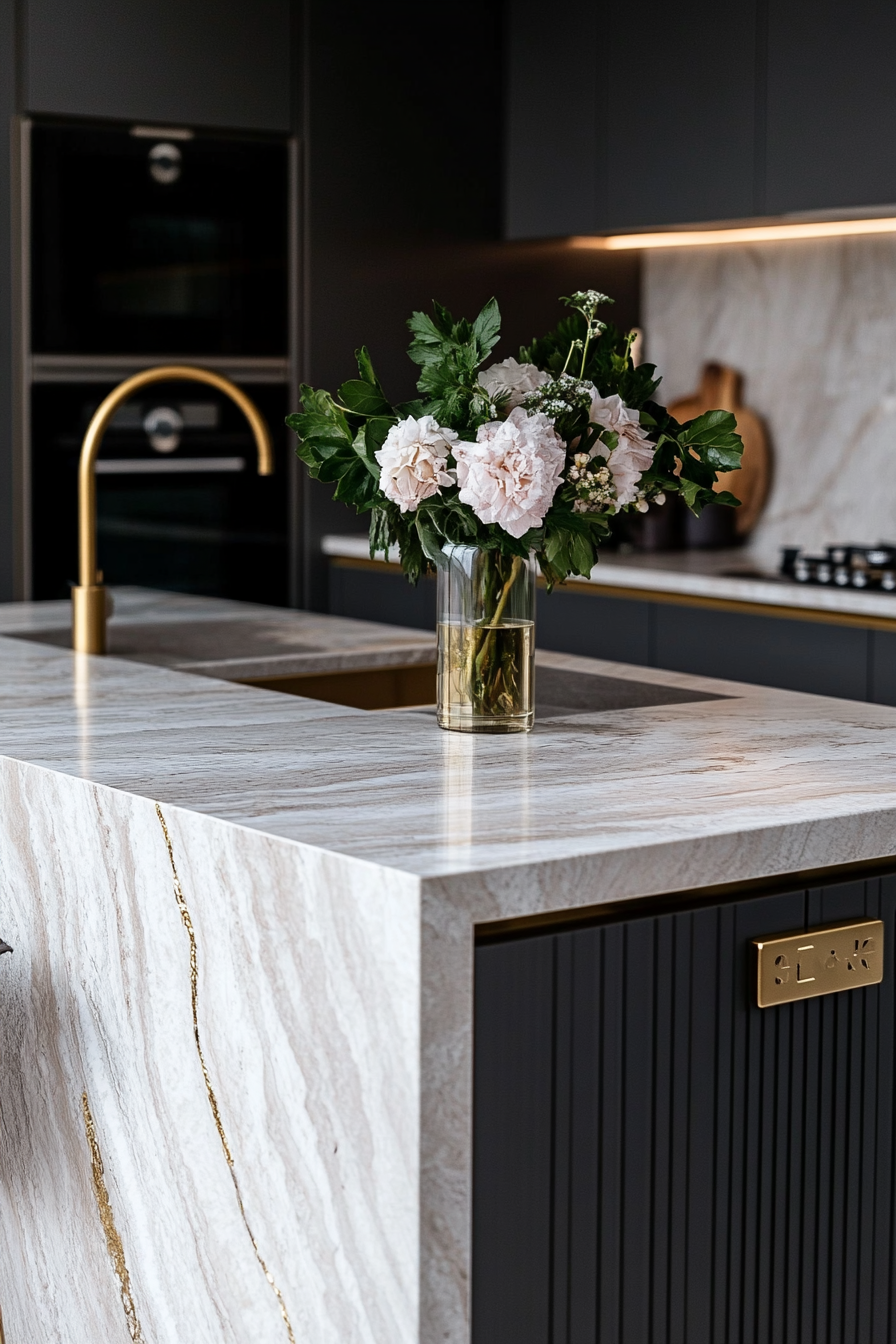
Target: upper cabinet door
[198, 62]
[831, 105]
[551, 135]
[678, 82]
[626, 116]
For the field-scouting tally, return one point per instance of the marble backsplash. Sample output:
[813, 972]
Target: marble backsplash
[812, 328]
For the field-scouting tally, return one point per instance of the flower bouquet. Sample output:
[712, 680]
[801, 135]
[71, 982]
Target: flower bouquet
[494, 467]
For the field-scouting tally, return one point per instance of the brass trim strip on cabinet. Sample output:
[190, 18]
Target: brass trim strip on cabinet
[778, 611]
[187, 921]
[719, 893]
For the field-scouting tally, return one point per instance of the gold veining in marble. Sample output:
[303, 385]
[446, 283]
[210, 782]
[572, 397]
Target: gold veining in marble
[114, 1244]
[210, 1091]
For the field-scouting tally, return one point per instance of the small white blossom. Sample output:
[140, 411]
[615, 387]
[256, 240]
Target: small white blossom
[510, 475]
[413, 461]
[511, 381]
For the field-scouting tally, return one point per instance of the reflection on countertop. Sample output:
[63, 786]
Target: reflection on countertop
[236, 641]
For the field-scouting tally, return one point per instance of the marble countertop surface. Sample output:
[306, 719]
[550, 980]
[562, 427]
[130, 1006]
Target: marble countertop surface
[242, 992]
[235, 641]
[636, 800]
[727, 575]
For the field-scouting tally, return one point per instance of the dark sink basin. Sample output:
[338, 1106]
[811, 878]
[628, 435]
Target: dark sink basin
[560, 692]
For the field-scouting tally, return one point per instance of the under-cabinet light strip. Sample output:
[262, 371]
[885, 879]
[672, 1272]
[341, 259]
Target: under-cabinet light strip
[748, 233]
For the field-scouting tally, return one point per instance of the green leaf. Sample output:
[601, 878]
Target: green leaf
[487, 327]
[360, 447]
[365, 368]
[714, 437]
[726, 497]
[362, 399]
[380, 531]
[414, 408]
[430, 538]
[690, 491]
[375, 432]
[582, 555]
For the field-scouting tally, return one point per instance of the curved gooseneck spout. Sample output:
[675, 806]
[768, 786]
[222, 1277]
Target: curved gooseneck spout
[89, 596]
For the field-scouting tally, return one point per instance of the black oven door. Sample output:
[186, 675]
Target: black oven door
[145, 242]
[180, 504]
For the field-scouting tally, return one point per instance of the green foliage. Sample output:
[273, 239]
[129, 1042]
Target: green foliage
[338, 437]
[450, 355]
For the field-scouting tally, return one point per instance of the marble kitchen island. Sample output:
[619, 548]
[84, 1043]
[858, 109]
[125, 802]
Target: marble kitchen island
[279, 1146]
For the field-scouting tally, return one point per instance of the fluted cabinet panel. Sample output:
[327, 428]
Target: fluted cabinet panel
[720, 1174]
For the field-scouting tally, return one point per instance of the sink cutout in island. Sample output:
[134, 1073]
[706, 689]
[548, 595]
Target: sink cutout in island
[559, 693]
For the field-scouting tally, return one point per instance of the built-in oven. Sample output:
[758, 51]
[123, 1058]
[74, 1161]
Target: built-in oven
[152, 245]
[180, 505]
[146, 240]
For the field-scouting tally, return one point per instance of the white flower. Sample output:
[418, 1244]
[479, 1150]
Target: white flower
[633, 454]
[510, 475]
[509, 377]
[413, 461]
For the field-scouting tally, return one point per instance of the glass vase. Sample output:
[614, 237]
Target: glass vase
[486, 638]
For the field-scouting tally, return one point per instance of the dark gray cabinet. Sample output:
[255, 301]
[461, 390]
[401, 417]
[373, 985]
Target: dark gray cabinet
[696, 111]
[8, 482]
[659, 1161]
[553, 146]
[678, 100]
[831, 105]
[201, 62]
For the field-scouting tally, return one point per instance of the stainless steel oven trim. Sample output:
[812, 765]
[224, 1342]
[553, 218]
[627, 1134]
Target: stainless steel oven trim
[112, 368]
[20, 210]
[295, 279]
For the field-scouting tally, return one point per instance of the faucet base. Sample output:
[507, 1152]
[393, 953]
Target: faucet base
[89, 618]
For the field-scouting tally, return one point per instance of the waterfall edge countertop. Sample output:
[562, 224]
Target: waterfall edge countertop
[322, 870]
[727, 576]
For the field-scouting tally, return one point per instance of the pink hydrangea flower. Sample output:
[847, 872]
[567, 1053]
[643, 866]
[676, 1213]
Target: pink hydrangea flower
[633, 454]
[414, 460]
[510, 475]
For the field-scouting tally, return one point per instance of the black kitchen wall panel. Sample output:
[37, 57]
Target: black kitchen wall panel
[8, 520]
[659, 1161]
[202, 62]
[831, 110]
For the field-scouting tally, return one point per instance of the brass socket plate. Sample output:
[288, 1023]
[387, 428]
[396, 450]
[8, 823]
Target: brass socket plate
[820, 961]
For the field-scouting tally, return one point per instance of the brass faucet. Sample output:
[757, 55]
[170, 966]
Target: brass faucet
[89, 597]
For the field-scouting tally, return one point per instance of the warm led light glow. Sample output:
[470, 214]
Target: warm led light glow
[748, 233]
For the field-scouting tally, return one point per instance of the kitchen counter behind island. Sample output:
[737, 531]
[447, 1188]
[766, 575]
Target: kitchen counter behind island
[330, 868]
